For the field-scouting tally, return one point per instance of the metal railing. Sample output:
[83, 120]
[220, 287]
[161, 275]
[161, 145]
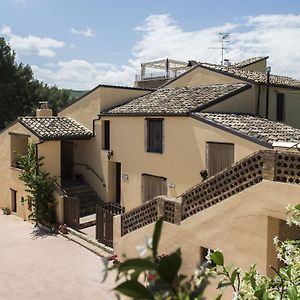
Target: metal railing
[88, 167]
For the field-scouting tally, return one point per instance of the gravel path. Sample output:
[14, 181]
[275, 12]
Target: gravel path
[44, 266]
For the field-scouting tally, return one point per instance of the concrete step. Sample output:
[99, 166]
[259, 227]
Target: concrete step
[87, 221]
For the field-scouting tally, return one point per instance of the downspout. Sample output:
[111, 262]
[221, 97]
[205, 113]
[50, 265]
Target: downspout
[258, 101]
[94, 121]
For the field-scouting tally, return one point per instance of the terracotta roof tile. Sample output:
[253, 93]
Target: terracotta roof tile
[178, 100]
[55, 128]
[252, 76]
[261, 129]
[249, 61]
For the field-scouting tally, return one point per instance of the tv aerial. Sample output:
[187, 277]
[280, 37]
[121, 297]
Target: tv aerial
[224, 38]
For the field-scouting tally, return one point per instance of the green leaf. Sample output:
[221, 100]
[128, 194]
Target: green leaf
[292, 292]
[223, 284]
[217, 258]
[137, 264]
[156, 236]
[233, 275]
[297, 206]
[135, 290]
[168, 267]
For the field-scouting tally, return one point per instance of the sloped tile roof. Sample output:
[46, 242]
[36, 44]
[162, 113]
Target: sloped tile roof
[178, 100]
[252, 76]
[55, 128]
[252, 127]
[249, 61]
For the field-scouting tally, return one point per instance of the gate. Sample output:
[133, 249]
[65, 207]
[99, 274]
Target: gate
[71, 212]
[104, 222]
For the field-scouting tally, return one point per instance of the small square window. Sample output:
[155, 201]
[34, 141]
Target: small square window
[155, 135]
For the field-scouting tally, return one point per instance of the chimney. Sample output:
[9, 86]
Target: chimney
[227, 63]
[43, 110]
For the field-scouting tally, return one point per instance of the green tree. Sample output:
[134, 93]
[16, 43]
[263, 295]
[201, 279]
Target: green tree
[39, 186]
[20, 92]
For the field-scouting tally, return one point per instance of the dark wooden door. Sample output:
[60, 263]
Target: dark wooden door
[153, 186]
[118, 183]
[71, 212]
[67, 160]
[219, 157]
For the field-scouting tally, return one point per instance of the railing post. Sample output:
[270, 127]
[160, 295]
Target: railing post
[269, 160]
[160, 207]
[177, 212]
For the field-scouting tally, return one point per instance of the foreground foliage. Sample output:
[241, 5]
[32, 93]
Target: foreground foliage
[39, 186]
[155, 277]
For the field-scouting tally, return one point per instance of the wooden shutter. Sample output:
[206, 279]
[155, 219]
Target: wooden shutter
[219, 157]
[154, 135]
[280, 107]
[106, 132]
[153, 186]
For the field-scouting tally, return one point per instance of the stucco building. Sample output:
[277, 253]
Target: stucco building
[201, 150]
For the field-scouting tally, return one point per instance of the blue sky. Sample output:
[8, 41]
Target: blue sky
[79, 44]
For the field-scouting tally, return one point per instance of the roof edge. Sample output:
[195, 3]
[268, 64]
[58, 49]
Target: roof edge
[223, 98]
[105, 86]
[250, 63]
[232, 131]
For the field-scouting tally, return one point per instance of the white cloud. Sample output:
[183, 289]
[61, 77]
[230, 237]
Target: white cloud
[277, 36]
[80, 74]
[31, 45]
[88, 32]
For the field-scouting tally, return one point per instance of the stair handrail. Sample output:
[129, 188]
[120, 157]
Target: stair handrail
[60, 188]
[88, 167]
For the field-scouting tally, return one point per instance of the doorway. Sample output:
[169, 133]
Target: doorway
[219, 157]
[114, 182]
[67, 160]
[153, 186]
[118, 182]
[13, 197]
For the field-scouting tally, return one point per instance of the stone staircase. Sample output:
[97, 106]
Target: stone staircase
[88, 200]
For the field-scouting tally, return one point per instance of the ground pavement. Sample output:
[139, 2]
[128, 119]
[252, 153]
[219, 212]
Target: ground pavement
[43, 266]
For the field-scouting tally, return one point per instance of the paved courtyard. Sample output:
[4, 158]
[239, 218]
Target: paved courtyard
[43, 266]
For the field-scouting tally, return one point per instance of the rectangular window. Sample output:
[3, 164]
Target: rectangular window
[280, 107]
[106, 135]
[18, 146]
[153, 186]
[155, 135]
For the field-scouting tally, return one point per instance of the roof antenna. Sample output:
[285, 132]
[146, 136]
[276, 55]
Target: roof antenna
[224, 37]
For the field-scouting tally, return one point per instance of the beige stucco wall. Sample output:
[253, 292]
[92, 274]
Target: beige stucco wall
[184, 154]
[259, 66]
[292, 104]
[242, 227]
[201, 76]
[243, 102]
[88, 107]
[9, 176]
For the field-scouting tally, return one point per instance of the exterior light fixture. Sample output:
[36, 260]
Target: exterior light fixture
[110, 153]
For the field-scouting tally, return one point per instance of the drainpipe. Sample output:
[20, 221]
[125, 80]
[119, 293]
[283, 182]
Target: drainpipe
[267, 92]
[94, 121]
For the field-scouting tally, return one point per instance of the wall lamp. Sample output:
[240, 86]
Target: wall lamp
[110, 153]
